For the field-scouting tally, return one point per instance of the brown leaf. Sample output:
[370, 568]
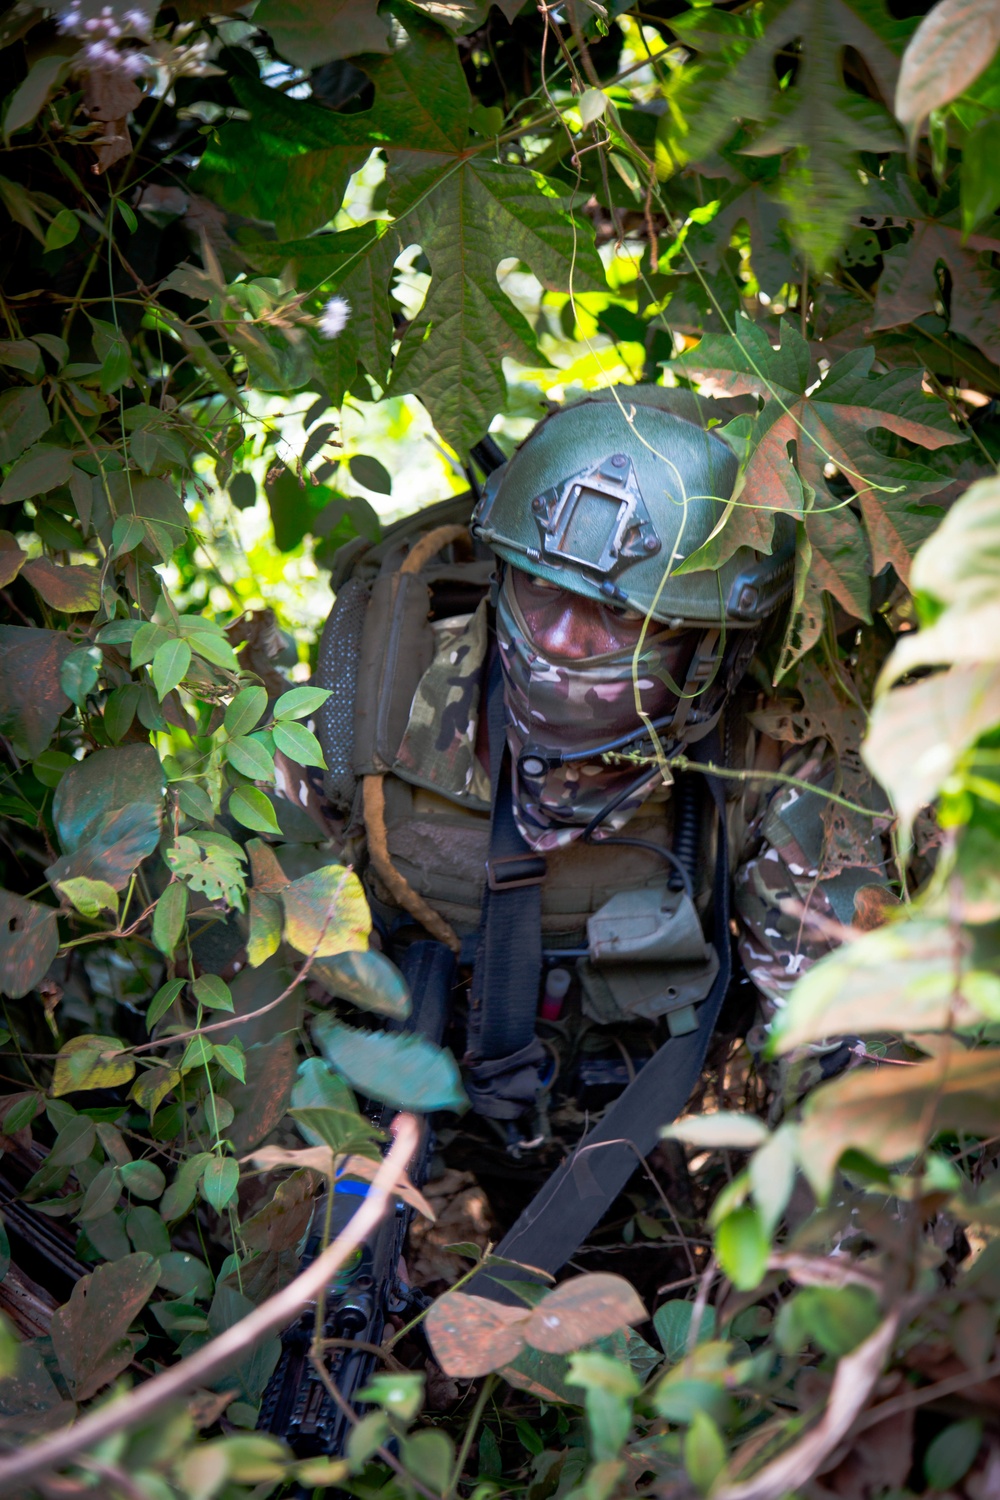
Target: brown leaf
[90, 1331]
[582, 1310]
[29, 941]
[872, 905]
[948, 51]
[316, 1158]
[110, 94]
[31, 699]
[268, 876]
[12, 559]
[473, 1336]
[890, 1113]
[71, 590]
[261, 1102]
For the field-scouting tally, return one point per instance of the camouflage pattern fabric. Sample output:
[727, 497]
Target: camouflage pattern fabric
[784, 843]
[570, 705]
[438, 750]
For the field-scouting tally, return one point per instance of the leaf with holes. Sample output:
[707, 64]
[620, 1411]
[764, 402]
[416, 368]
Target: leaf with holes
[29, 941]
[90, 1332]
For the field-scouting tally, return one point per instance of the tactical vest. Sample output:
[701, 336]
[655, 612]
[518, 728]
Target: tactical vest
[398, 693]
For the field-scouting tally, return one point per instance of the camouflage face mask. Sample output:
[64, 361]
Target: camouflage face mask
[563, 703]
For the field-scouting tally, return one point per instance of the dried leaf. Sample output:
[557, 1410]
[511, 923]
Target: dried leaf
[582, 1310]
[473, 1336]
[363, 1167]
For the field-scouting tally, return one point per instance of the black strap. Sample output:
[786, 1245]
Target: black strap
[505, 1056]
[579, 1193]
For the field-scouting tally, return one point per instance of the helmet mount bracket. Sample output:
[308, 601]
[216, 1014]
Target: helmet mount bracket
[596, 519]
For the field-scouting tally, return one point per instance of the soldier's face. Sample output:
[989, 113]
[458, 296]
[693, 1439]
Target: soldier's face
[564, 624]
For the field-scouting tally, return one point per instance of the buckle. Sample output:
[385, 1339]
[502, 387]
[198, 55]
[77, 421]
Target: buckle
[509, 872]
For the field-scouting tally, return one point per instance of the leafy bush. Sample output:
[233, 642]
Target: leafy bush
[210, 214]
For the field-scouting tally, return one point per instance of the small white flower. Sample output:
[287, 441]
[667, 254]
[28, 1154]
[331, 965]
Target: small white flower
[333, 318]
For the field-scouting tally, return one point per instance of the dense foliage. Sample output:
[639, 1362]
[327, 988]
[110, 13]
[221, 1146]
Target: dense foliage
[228, 235]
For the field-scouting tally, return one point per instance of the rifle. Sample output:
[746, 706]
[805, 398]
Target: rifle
[297, 1406]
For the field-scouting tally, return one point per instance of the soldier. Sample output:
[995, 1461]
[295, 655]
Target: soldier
[508, 692]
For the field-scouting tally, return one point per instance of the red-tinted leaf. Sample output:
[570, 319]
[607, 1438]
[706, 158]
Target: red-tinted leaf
[89, 1333]
[473, 1336]
[71, 590]
[29, 941]
[582, 1310]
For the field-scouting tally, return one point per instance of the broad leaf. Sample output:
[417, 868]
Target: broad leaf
[473, 1336]
[950, 48]
[367, 979]
[123, 839]
[326, 912]
[90, 1333]
[830, 425]
[581, 1310]
[40, 469]
[29, 941]
[406, 1071]
[31, 698]
[24, 417]
[311, 34]
[92, 1062]
[103, 783]
[70, 590]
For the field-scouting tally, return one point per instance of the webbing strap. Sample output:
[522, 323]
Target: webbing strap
[579, 1193]
[507, 972]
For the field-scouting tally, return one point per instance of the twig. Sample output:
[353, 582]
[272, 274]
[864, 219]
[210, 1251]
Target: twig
[132, 1407]
[701, 1302]
[909, 1399]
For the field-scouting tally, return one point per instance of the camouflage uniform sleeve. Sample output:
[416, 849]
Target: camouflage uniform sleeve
[787, 859]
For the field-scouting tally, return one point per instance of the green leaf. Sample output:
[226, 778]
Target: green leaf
[405, 1071]
[318, 1084]
[248, 756]
[980, 193]
[162, 1001]
[367, 979]
[90, 897]
[230, 1057]
[299, 744]
[63, 230]
[253, 809]
[194, 801]
[837, 1319]
[170, 662]
[197, 1054]
[29, 941]
[127, 533]
[169, 918]
[343, 1130]
[672, 1321]
[29, 98]
[265, 928]
[91, 1062]
[743, 1248]
[952, 1453]
[102, 1195]
[210, 863]
[212, 992]
[369, 472]
[245, 711]
[119, 710]
[220, 1181]
[704, 1451]
[215, 649]
[185, 1275]
[143, 1179]
[310, 34]
[300, 702]
[122, 841]
[180, 1195]
[243, 490]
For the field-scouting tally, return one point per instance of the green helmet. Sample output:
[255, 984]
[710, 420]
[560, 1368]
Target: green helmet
[606, 496]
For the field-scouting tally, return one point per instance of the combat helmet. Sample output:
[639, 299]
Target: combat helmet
[607, 496]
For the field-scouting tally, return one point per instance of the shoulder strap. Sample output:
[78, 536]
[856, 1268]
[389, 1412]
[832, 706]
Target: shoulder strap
[580, 1192]
[506, 1059]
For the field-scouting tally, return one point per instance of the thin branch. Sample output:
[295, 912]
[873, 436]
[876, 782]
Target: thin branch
[132, 1407]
